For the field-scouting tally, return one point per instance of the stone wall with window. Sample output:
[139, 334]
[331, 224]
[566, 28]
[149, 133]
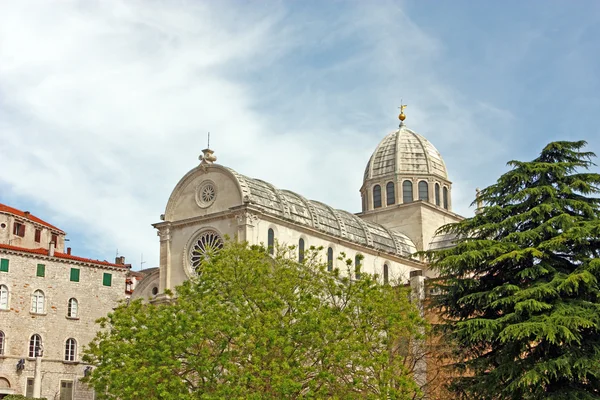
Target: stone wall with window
[54, 302]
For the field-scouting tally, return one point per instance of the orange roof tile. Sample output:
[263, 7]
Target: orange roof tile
[10, 210]
[44, 252]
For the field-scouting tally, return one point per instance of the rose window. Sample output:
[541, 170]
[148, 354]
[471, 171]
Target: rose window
[207, 244]
[206, 194]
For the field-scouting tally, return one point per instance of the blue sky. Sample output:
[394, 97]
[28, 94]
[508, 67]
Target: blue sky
[104, 106]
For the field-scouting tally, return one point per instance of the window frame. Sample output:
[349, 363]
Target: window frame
[330, 259]
[73, 308]
[40, 270]
[301, 247]
[38, 235]
[357, 264]
[107, 279]
[68, 385]
[407, 191]
[70, 350]
[386, 274]
[377, 200]
[4, 297]
[390, 195]
[35, 302]
[2, 342]
[35, 343]
[4, 264]
[271, 241]
[18, 229]
[75, 274]
[445, 197]
[423, 188]
[437, 194]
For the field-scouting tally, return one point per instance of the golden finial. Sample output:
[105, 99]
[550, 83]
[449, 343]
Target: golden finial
[402, 117]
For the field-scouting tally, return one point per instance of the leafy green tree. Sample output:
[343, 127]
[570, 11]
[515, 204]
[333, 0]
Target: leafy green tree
[520, 294]
[252, 326]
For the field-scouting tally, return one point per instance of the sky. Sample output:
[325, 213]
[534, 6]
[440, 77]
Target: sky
[105, 105]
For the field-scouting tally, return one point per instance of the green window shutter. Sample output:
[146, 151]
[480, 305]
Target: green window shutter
[3, 265]
[41, 270]
[74, 274]
[107, 279]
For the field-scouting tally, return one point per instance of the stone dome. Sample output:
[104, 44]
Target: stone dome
[405, 152]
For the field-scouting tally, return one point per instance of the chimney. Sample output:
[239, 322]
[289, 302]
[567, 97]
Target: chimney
[27, 214]
[120, 260]
[68, 250]
[51, 250]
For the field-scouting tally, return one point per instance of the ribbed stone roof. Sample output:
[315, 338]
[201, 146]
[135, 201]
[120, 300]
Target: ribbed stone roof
[295, 208]
[407, 153]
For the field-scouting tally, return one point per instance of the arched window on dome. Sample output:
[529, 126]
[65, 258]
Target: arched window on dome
[437, 194]
[390, 193]
[376, 196]
[423, 191]
[330, 259]
[271, 241]
[407, 192]
[300, 250]
[386, 274]
[445, 192]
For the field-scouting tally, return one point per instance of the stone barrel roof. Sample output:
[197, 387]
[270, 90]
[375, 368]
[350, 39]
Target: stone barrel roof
[293, 207]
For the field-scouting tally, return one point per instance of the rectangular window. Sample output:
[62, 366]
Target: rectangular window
[55, 239]
[3, 265]
[38, 235]
[66, 390]
[107, 279]
[74, 275]
[19, 229]
[29, 390]
[41, 270]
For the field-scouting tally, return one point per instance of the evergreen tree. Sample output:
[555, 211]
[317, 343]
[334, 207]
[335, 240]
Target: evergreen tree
[520, 292]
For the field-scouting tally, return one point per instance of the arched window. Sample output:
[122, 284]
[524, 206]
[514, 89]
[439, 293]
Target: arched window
[357, 265]
[271, 241]
[301, 250]
[407, 192]
[35, 346]
[390, 193]
[330, 259]
[37, 302]
[423, 191]
[3, 297]
[70, 350]
[386, 276]
[72, 308]
[376, 196]
[2, 341]
[445, 191]
[437, 194]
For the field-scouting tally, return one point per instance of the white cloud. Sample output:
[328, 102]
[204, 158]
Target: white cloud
[105, 105]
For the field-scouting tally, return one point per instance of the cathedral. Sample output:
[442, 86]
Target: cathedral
[406, 197]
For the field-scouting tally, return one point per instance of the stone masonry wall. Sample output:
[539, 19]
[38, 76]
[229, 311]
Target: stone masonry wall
[18, 322]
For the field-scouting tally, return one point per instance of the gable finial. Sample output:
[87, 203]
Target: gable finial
[402, 117]
[207, 156]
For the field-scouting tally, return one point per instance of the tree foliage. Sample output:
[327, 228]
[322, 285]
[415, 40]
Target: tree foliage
[520, 294]
[254, 326]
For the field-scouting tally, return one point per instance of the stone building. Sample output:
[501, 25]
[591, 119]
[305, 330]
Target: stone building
[49, 302]
[406, 197]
